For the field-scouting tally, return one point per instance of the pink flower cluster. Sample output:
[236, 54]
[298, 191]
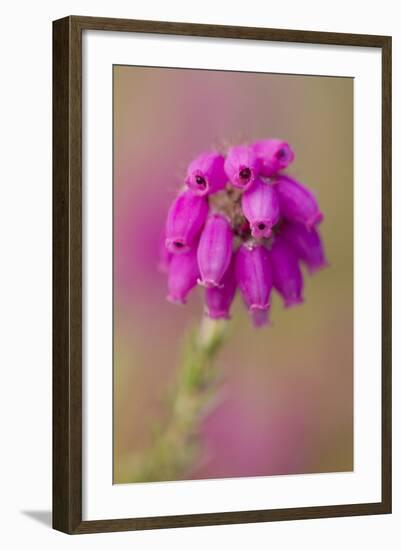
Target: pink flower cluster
[240, 222]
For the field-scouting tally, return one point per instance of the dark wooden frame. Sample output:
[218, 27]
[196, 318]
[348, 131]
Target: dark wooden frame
[67, 274]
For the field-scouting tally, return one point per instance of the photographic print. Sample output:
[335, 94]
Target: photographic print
[232, 274]
[221, 275]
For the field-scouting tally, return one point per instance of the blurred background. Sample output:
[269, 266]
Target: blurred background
[287, 402]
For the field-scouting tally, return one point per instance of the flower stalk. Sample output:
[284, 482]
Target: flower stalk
[175, 442]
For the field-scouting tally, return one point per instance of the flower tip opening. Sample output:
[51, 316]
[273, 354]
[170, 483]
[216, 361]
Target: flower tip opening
[284, 155]
[241, 166]
[198, 185]
[261, 229]
[244, 174]
[259, 316]
[177, 246]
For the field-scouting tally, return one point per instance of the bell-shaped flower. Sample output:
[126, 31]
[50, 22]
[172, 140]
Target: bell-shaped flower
[183, 273]
[206, 175]
[218, 299]
[275, 155]
[297, 203]
[185, 219]
[242, 166]
[287, 276]
[260, 206]
[254, 276]
[307, 244]
[215, 250]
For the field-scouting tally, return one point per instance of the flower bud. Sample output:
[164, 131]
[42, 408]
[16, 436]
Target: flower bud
[307, 245]
[260, 206]
[242, 166]
[219, 298]
[215, 250]
[297, 203]
[185, 219]
[183, 274]
[206, 175]
[287, 276]
[275, 155]
[254, 278]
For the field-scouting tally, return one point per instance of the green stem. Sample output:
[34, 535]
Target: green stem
[176, 443]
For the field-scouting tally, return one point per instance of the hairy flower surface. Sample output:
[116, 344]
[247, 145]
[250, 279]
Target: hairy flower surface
[206, 175]
[242, 223]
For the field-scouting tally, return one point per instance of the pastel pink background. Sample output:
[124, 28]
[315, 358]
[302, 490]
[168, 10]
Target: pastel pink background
[287, 402]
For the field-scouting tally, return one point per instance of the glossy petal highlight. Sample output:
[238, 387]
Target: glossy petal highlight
[183, 274]
[287, 276]
[185, 219]
[260, 206]
[255, 280]
[215, 250]
[297, 203]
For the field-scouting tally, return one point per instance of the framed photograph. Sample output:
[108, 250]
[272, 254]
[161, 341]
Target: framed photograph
[222, 274]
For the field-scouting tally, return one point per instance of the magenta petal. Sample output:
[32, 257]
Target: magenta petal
[275, 155]
[242, 166]
[185, 220]
[297, 203]
[183, 274]
[307, 244]
[287, 276]
[219, 299]
[215, 250]
[206, 175]
[260, 206]
[254, 278]
[260, 317]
